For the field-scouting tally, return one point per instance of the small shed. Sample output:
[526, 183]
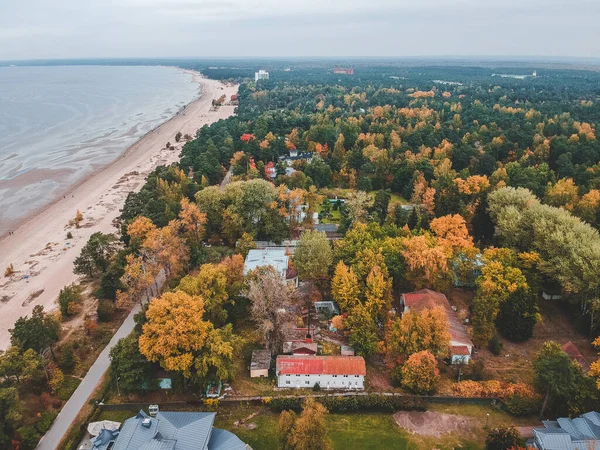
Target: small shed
[304, 348]
[327, 307]
[260, 363]
[346, 350]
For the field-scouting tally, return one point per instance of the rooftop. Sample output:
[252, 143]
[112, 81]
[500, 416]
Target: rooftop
[321, 365]
[428, 299]
[274, 257]
[582, 432]
[261, 359]
[175, 431]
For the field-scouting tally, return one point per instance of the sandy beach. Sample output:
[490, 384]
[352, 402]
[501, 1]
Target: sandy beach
[38, 249]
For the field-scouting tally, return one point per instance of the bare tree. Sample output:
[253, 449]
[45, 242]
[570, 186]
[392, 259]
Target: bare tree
[271, 297]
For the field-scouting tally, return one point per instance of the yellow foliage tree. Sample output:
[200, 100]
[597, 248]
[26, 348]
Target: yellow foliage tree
[344, 287]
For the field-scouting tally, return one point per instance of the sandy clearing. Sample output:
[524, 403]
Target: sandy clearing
[431, 423]
[41, 254]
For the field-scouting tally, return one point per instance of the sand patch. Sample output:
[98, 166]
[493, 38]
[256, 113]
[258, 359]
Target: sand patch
[431, 423]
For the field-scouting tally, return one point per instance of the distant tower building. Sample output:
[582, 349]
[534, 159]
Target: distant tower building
[261, 75]
[343, 70]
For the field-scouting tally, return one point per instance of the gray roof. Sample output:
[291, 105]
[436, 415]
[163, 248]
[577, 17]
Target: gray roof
[224, 440]
[173, 431]
[261, 359]
[274, 257]
[580, 433]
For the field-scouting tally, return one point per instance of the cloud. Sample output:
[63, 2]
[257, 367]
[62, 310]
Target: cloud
[101, 28]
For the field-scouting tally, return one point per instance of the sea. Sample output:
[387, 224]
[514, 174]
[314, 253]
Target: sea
[60, 123]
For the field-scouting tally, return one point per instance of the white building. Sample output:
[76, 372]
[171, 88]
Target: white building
[261, 75]
[274, 257]
[330, 372]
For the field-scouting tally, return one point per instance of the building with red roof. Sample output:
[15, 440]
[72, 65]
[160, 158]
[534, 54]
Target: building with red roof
[460, 342]
[329, 372]
[571, 349]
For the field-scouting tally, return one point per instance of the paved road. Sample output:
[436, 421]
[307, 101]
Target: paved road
[69, 412]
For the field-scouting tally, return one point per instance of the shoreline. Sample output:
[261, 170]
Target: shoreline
[14, 224]
[38, 248]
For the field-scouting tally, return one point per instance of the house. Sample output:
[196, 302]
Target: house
[307, 347]
[329, 372]
[260, 363]
[296, 156]
[274, 257]
[571, 349]
[461, 346]
[298, 340]
[580, 433]
[261, 75]
[104, 434]
[175, 431]
[327, 307]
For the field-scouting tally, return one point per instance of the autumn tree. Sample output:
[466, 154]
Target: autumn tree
[414, 332]
[426, 261]
[192, 221]
[285, 429]
[210, 283]
[309, 430]
[378, 295]
[175, 333]
[451, 231]
[420, 373]
[358, 205]
[364, 333]
[344, 287]
[176, 336]
[167, 249]
[499, 278]
[313, 256]
[139, 277]
[245, 243]
[269, 295]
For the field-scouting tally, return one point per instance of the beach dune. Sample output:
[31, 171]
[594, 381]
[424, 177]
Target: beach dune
[39, 250]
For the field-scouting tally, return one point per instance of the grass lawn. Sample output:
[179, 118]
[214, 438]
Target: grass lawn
[359, 431]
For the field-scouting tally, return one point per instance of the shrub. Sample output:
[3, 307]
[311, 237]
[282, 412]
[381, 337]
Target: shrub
[9, 270]
[523, 404]
[502, 438]
[492, 388]
[495, 346]
[45, 421]
[69, 235]
[420, 374]
[105, 310]
[68, 359]
[178, 136]
[316, 387]
[29, 438]
[69, 299]
[342, 404]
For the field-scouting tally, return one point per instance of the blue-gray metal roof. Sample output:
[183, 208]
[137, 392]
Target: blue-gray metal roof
[224, 440]
[570, 434]
[175, 431]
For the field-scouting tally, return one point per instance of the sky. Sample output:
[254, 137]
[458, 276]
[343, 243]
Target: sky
[45, 29]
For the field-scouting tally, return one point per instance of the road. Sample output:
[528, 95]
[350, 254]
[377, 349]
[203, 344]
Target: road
[69, 412]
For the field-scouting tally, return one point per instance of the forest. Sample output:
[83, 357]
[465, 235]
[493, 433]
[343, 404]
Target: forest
[434, 176]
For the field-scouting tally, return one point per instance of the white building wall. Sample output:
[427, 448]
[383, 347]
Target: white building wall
[325, 381]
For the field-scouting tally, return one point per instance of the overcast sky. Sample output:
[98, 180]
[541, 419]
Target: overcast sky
[244, 28]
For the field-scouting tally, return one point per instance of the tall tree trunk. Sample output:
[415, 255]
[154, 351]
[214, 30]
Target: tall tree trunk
[545, 402]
